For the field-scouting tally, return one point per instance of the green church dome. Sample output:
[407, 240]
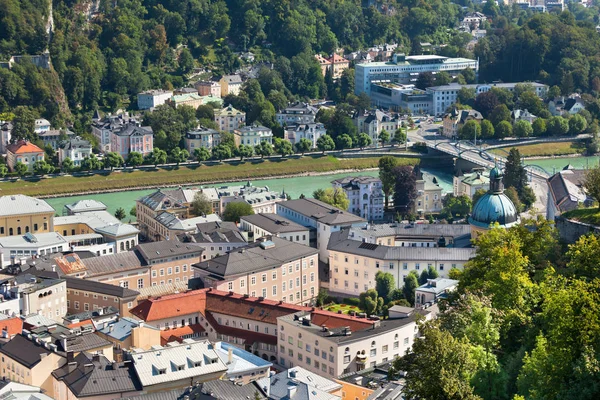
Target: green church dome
[492, 208]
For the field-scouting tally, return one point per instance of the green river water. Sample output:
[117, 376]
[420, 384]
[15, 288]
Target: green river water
[295, 186]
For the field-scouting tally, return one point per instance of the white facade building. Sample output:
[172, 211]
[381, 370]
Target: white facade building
[15, 248]
[253, 135]
[365, 194]
[76, 149]
[311, 131]
[229, 119]
[153, 98]
[297, 113]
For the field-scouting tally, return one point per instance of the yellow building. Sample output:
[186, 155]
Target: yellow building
[20, 214]
[23, 152]
[429, 196]
[353, 392]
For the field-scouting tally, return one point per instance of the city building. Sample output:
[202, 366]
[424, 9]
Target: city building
[434, 290]
[311, 132]
[338, 65]
[229, 119]
[89, 295]
[54, 137]
[298, 383]
[455, 119]
[176, 365]
[75, 149]
[132, 137]
[243, 367]
[365, 196]
[473, 19]
[103, 127]
[41, 125]
[469, 183]
[261, 198]
[373, 122]
[189, 99]
[168, 226]
[522, 115]
[46, 297]
[353, 263]
[406, 69]
[20, 214]
[20, 391]
[174, 201]
[324, 63]
[429, 195]
[445, 96]
[230, 84]
[252, 135]
[5, 135]
[273, 268]
[297, 113]
[208, 88]
[401, 98]
[214, 238]
[94, 377]
[153, 98]
[23, 152]
[268, 224]
[201, 137]
[332, 345]
[493, 207]
[566, 192]
[126, 333]
[321, 218]
[15, 248]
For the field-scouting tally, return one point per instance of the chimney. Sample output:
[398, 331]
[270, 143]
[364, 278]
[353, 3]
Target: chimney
[96, 357]
[229, 355]
[291, 391]
[70, 357]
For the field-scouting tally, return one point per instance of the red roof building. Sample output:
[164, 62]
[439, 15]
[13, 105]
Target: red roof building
[11, 327]
[23, 152]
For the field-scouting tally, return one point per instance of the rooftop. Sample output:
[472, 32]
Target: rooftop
[19, 204]
[322, 212]
[121, 329]
[23, 147]
[166, 249]
[307, 384]
[242, 360]
[273, 223]
[437, 285]
[227, 390]
[85, 206]
[256, 257]
[214, 232]
[33, 241]
[24, 351]
[86, 285]
[113, 263]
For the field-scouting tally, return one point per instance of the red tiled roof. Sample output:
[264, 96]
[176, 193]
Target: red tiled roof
[336, 59]
[22, 147]
[12, 326]
[80, 323]
[333, 320]
[249, 336]
[176, 335]
[169, 306]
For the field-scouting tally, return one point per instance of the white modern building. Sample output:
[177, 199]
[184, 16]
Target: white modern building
[16, 248]
[153, 98]
[266, 224]
[312, 132]
[406, 69]
[365, 194]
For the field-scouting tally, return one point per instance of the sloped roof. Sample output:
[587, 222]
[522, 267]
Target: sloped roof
[99, 287]
[12, 326]
[20, 204]
[566, 189]
[321, 212]
[24, 351]
[23, 147]
[273, 223]
[119, 262]
[166, 248]
[226, 390]
[176, 334]
[86, 205]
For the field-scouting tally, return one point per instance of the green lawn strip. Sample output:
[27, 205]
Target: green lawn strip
[586, 215]
[184, 175]
[343, 307]
[545, 149]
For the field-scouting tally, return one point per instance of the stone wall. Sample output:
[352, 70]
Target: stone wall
[570, 230]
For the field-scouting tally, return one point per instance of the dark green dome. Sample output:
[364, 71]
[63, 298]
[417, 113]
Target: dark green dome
[492, 208]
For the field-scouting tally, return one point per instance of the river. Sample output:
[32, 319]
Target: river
[306, 185]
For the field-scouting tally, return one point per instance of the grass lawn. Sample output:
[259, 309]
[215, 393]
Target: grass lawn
[545, 149]
[586, 215]
[184, 175]
[343, 307]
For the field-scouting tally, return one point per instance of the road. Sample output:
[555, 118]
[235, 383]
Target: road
[469, 151]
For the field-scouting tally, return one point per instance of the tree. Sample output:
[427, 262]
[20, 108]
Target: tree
[370, 302]
[201, 205]
[429, 273]
[577, 124]
[405, 188]
[486, 102]
[157, 157]
[557, 126]
[325, 143]
[364, 140]
[487, 129]
[20, 168]
[591, 183]
[283, 147]
[539, 127]
[245, 151]
[264, 149]
[120, 214]
[503, 130]
[567, 85]
[411, 283]
[41, 167]
[512, 194]
[335, 197]
[3, 170]
[344, 142]
[133, 211]
[201, 154]
[465, 96]
[584, 257]
[221, 152]
[135, 159]
[478, 194]
[23, 125]
[515, 174]
[457, 205]
[523, 129]
[385, 285]
[179, 155]
[303, 145]
[499, 114]
[186, 61]
[384, 136]
[205, 111]
[91, 163]
[387, 177]
[67, 165]
[400, 136]
[113, 160]
[425, 80]
[235, 210]
[470, 130]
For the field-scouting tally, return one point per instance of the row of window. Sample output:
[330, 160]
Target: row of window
[161, 272]
[20, 230]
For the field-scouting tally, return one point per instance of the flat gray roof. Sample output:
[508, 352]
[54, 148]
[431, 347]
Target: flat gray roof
[273, 223]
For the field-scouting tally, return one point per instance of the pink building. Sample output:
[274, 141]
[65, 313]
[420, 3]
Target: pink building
[273, 269]
[132, 137]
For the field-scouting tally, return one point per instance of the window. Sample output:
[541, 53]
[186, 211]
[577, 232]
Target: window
[230, 285]
[140, 283]
[405, 341]
[283, 286]
[283, 270]
[264, 278]
[177, 269]
[312, 276]
[274, 290]
[345, 271]
[162, 272]
[86, 307]
[274, 276]
[169, 271]
[264, 292]
[77, 305]
[253, 281]
[441, 267]
[384, 349]
[124, 284]
[346, 359]
[373, 352]
[308, 361]
[242, 283]
[154, 273]
[417, 266]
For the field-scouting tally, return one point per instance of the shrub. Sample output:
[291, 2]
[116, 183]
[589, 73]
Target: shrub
[353, 301]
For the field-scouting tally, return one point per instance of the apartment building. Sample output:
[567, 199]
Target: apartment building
[414, 235]
[469, 183]
[153, 98]
[455, 120]
[321, 218]
[434, 290]
[14, 249]
[132, 137]
[297, 113]
[126, 333]
[229, 119]
[268, 224]
[75, 149]
[167, 226]
[261, 198]
[201, 137]
[252, 135]
[102, 127]
[353, 264]
[54, 137]
[243, 367]
[47, 297]
[336, 344]
[208, 88]
[429, 195]
[88, 295]
[365, 196]
[373, 122]
[406, 69]
[230, 84]
[23, 152]
[311, 132]
[20, 214]
[214, 238]
[274, 269]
